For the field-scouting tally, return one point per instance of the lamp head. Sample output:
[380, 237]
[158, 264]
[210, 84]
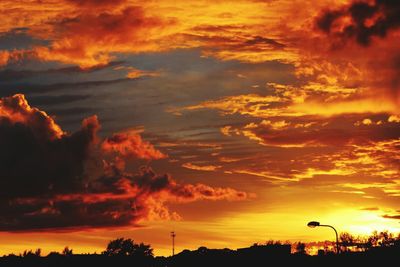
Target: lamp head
[313, 224]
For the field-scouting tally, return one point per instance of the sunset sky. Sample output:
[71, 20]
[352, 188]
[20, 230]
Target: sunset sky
[229, 122]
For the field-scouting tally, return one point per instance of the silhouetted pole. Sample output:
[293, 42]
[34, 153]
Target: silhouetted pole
[173, 243]
[314, 224]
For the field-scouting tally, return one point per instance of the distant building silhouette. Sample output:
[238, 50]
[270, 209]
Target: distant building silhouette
[259, 251]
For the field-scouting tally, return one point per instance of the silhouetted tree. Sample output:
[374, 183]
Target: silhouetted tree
[127, 247]
[119, 246]
[202, 250]
[30, 253]
[143, 250]
[272, 243]
[373, 240]
[382, 239]
[346, 240]
[386, 239]
[301, 248]
[67, 251]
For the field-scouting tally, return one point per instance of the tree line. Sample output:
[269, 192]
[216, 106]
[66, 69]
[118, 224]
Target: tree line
[126, 252]
[348, 242]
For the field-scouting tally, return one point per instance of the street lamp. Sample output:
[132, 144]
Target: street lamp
[173, 243]
[314, 224]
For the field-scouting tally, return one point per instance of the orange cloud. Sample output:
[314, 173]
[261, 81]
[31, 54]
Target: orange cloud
[308, 131]
[96, 3]
[202, 191]
[90, 32]
[4, 56]
[394, 118]
[17, 110]
[89, 39]
[14, 56]
[252, 104]
[192, 166]
[353, 44]
[135, 73]
[291, 106]
[131, 145]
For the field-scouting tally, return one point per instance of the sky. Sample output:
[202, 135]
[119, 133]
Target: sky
[228, 122]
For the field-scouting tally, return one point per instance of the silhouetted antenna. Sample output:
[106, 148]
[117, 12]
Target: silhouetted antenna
[173, 242]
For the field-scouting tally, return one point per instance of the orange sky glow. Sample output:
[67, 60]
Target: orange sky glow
[229, 122]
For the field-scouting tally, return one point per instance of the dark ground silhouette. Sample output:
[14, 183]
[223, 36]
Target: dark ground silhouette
[378, 249]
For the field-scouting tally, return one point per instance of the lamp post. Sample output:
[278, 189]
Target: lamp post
[173, 243]
[314, 224]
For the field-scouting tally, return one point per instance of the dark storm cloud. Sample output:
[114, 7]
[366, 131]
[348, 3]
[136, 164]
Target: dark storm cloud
[50, 179]
[34, 152]
[367, 20]
[109, 201]
[63, 215]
